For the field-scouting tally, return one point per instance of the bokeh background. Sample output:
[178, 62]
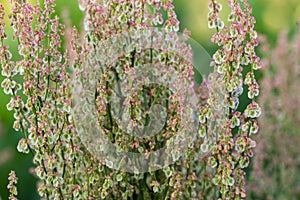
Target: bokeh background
[272, 17]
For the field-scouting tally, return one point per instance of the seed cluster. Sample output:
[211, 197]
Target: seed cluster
[42, 100]
[235, 57]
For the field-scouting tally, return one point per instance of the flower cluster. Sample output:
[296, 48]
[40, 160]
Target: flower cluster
[236, 55]
[40, 100]
[105, 22]
[276, 161]
[13, 180]
[43, 100]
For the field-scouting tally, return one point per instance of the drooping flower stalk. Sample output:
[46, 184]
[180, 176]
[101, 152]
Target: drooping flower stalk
[13, 180]
[235, 57]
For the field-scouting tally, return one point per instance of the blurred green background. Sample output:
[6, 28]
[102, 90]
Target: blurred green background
[272, 16]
